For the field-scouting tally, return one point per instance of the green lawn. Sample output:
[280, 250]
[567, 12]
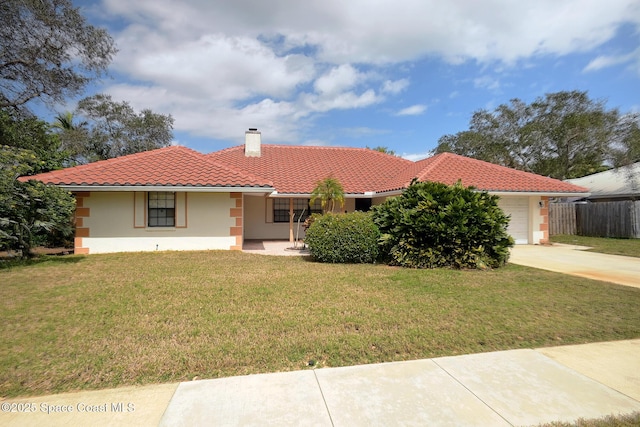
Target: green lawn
[624, 420]
[628, 247]
[100, 321]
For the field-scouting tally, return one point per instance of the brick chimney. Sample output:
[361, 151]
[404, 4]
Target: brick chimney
[252, 143]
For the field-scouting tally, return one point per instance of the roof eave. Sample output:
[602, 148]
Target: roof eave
[365, 195]
[613, 195]
[186, 188]
[537, 193]
[503, 193]
[387, 193]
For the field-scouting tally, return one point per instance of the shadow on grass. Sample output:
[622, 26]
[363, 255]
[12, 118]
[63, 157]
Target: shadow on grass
[6, 263]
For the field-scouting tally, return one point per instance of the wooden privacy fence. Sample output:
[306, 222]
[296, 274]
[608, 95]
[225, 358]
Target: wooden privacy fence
[562, 218]
[605, 219]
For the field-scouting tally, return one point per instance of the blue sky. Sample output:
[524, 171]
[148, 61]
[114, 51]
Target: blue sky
[399, 74]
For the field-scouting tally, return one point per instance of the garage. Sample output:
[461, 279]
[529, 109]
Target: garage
[518, 209]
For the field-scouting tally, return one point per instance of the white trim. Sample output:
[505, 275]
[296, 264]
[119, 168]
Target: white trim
[275, 195]
[272, 192]
[152, 243]
[387, 193]
[366, 195]
[178, 188]
[536, 193]
[494, 192]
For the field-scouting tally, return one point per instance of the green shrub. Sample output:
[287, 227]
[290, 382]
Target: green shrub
[434, 225]
[343, 238]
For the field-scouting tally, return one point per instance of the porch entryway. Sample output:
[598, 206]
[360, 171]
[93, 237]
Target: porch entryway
[274, 247]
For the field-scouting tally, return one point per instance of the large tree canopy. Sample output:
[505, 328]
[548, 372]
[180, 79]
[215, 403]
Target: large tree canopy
[48, 51]
[561, 135]
[101, 129]
[31, 211]
[20, 131]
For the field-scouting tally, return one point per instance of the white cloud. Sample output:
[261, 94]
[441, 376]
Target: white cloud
[414, 110]
[394, 87]
[360, 31]
[486, 82]
[338, 80]
[219, 66]
[414, 157]
[605, 61]
[224, 68]
[343, 101]
[361, 132]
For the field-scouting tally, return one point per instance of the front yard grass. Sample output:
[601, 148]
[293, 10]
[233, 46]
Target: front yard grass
[72, 323]
[622, 420]
[627, 247]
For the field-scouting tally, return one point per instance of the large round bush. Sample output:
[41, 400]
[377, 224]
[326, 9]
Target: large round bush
[343, 238]
[435, 225]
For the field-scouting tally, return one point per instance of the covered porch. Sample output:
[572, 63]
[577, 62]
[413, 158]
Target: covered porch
[274, 247]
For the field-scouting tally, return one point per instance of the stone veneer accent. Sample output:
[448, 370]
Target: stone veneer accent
[81, 213]
[544, 225]
[236, 213]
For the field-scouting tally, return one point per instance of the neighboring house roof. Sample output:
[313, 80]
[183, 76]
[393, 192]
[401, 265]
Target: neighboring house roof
[448, 168]
[297, 169]
[173, 166]
[620, 182]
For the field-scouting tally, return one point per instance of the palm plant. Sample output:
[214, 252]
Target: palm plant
[64, 121]
[330, 193]
[73, 136]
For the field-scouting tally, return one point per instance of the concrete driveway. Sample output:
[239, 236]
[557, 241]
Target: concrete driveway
[574, 260]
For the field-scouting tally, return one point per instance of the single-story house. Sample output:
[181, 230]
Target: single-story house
[175, 198]
[612, 185]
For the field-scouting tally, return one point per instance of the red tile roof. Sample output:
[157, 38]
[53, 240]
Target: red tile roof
[169, 166]
[297, 169]
[448, 168]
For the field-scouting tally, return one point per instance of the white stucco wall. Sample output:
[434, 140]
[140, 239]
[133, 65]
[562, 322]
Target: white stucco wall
[258, 220]
[205, 220]
[536, 220]
[259, 225]
[378, 200]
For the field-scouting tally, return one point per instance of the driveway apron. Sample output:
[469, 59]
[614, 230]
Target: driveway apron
[574, 260]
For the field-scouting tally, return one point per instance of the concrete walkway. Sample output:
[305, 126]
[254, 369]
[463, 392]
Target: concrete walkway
[507, 388]
[573, 260]
[274, 247]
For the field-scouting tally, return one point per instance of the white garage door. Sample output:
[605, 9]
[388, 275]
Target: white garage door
[518, 208]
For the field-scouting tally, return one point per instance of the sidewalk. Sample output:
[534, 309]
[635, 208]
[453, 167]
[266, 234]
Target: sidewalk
[506, 388]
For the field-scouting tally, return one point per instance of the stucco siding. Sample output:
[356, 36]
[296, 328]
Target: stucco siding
[203, 222]
[349, 206]
[258, 224]
[378, 200]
